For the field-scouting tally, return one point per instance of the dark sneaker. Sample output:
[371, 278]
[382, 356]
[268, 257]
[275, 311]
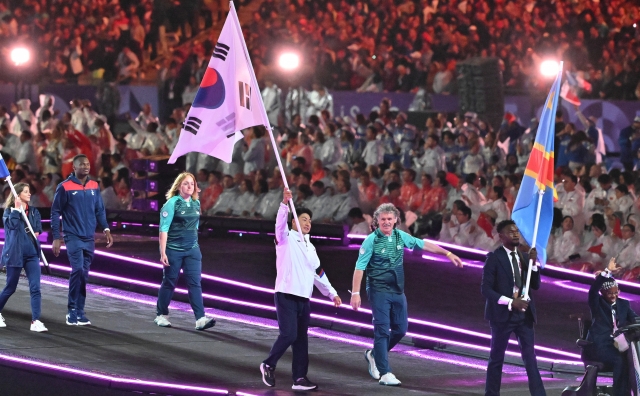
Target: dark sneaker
[268, 375]
[72, 318]
[304, 384]
[83, 320]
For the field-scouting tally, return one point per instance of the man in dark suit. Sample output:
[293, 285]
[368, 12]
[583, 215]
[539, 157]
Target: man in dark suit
[605, 305]
[503, 280]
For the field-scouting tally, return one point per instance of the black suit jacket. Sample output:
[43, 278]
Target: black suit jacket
[601, 318]
[497, 281]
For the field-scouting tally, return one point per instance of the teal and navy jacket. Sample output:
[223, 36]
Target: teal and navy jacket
[381, 256]
[80, 206]
[180, 219]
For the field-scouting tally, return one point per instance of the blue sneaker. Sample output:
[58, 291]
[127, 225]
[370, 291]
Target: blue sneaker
[83, 320]
[72, 318]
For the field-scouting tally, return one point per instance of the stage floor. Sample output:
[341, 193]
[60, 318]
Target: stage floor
[436, 291]
[123, 342]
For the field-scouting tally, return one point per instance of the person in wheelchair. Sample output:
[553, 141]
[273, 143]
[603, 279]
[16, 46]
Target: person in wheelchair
[608, 313]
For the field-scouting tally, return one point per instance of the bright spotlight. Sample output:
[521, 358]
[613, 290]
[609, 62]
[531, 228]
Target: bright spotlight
[549, 68]
[289, 61]
[20, 56]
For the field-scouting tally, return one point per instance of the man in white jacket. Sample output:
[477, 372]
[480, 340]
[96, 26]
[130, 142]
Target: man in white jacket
[298, 271]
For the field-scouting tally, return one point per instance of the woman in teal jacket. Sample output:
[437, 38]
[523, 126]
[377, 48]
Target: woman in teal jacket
[22, 251]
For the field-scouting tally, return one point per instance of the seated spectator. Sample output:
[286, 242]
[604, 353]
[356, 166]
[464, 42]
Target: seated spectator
[254, 155]
[628, 256]
[432, 160]
[209, 195]
[245, 200]
[464, 233]
[409, 190]
[597, 253]
[360, 226]
[341, 202]
[497, 203]
[623, 202]
[567, 244]
[488, 238]
[435, 199]
[600, 197]
[319, 204]
[267, 206]
[317, 171]
[572, 203]
[226, 200]
[109, 196]
[471, 194]
[26, 153]
[393, 196]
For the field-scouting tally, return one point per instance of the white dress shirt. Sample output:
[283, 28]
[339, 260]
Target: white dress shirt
[504, 300]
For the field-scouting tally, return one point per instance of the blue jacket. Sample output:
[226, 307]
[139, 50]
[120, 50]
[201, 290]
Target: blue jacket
[80, 206]
[601, 315]
[497, 281]
[15, 235]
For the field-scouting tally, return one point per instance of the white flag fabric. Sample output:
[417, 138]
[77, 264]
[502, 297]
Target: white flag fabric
[227, 101]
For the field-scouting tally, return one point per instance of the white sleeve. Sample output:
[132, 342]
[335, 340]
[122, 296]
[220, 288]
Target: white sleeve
[282, 229]
[323, 284]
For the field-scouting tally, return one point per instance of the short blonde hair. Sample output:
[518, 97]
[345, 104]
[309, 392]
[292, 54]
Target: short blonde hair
[175, 187]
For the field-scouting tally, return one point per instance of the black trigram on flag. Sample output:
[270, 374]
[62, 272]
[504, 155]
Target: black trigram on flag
[192, 124]
[221, 51]
[245, 94]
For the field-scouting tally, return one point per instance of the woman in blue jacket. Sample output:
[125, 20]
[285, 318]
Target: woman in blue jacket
[22, 251]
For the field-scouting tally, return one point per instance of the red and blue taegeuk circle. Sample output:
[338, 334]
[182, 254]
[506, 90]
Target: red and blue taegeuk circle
[212, 92]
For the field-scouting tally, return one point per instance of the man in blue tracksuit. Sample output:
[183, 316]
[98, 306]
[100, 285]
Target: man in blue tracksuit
[79, 202]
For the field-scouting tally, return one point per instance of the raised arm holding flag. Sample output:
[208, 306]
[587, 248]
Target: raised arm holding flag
[227, 102]
[533, 209]
[4, 173]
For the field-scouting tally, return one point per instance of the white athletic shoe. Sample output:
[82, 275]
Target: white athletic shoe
[38, 326]
[373, 370]
[2, 324]
[162, 321]
[389, 380]
[205, 323]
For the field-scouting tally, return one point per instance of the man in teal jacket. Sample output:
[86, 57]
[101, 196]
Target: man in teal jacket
[381, 255]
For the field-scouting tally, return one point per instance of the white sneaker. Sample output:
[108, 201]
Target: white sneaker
[373, 370]
[2, 324]
[38, 326]
[162, 321]
[389, 380]
[205, 323]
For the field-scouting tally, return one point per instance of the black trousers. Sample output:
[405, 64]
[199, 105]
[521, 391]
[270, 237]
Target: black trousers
[293, 321]
[615, 361]
[500, 333]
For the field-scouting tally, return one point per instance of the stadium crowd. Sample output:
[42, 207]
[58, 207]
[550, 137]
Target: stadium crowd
[452, 178]
[387, 45]
[109, 40]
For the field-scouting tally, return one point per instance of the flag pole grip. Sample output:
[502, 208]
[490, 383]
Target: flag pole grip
[284, 179]
[533, 245]
[26, 220]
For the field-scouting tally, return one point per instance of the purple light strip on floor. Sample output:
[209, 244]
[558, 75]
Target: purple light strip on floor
[330, 319]
[133, 381]
[267, 290]
[343, 339]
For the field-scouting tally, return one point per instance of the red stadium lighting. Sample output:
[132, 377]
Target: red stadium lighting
[549, 68]
[20, 56]
[289, 61]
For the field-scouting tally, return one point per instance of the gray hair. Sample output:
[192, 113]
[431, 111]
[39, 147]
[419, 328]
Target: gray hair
[385, 208]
